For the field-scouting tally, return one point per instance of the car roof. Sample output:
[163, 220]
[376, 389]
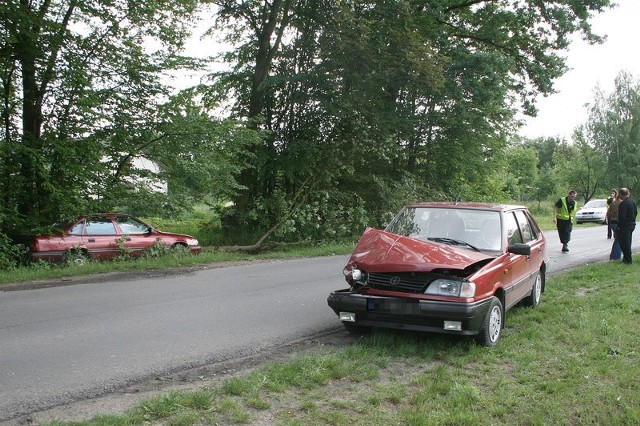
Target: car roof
[468, 205]
[111, 214]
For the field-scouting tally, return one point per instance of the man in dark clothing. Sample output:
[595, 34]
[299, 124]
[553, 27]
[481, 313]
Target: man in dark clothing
[564, 211]
[627, 212]
[610, 200]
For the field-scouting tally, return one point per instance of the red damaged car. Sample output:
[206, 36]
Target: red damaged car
[104, 236]
[444, 267]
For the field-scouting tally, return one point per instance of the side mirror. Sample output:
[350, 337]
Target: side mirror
[519, 248]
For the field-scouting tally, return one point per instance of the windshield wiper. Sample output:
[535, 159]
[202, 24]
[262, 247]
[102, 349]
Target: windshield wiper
[453, 242]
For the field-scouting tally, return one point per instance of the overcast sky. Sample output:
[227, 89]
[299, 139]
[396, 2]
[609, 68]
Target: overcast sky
[590, 66]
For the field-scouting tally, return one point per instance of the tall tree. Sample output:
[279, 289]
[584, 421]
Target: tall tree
[613, 127]
[521, 164]
[80, 82]
[588, 167]
[359, 95]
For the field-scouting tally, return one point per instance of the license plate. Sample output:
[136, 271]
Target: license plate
[393, 306]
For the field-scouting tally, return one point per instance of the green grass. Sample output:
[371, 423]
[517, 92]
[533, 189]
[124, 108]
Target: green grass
[573, 360]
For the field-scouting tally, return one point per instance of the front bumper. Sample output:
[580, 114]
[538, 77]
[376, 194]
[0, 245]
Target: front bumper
[590, 218]
[410, 314]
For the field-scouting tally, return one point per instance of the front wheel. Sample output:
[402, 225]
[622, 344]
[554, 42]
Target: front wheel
[492, 326]
[180, 250]
[536, 291]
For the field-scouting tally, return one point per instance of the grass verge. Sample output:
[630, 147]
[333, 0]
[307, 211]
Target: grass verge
[573, 360]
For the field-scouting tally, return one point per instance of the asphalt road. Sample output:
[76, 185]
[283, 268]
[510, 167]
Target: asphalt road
[72, 342]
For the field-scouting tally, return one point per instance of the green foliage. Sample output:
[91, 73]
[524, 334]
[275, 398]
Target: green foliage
[11, 255]
[124, 251]
[545, 184]
[338, 114]
[159, 249]
[76, 257]
[326, 216]
[357, 99]
[80, 102]
[522, 166]
[613, 128]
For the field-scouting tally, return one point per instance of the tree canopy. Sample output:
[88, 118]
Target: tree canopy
[338, 112]
[386, 100]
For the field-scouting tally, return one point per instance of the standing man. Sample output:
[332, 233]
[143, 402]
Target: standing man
[610, 200]
[564, 211]
[627, 212]
[612, 220]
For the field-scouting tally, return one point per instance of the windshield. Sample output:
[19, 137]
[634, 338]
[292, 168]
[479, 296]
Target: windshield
[595, 204]
[478, 228]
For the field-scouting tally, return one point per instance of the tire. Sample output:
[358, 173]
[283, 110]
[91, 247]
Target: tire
[75, 258]
[491, 329]
[357, 330]
[180, 249]
[578, 223]
[536, 291]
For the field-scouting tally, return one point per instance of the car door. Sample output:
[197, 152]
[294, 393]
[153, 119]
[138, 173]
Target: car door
[533, 237]
[517, 279]
[100, 237]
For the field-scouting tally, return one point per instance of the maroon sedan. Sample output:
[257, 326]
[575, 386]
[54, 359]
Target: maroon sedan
[102, 237]
[444, 267]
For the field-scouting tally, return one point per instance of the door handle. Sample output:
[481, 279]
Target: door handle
[92, 240]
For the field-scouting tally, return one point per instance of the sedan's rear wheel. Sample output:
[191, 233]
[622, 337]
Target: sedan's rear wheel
[492, 325]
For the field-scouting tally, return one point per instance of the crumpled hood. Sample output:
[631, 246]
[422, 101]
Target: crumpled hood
[380, 251]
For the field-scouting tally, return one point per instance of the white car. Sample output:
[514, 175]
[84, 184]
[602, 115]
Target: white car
[594, 211]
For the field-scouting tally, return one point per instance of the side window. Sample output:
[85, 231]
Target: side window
[513, 233]
[534, 226]
[525, 226]
[77, 228]
[131, 226]
[100, 226]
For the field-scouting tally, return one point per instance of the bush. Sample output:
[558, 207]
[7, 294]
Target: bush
[10, 254]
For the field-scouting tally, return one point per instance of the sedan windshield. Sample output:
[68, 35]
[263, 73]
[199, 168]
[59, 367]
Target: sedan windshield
[594, 204]
[479, 229]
